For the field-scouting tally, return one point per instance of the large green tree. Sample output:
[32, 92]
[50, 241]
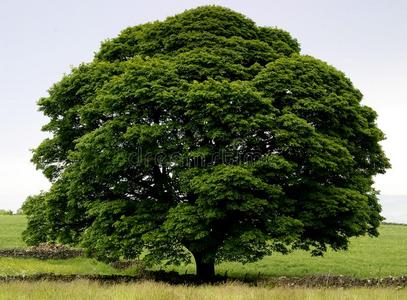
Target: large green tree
[209, 137]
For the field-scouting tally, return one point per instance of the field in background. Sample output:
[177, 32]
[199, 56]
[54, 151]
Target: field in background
[11, 228]
[80, 266]
[367, 257]
[155, 291]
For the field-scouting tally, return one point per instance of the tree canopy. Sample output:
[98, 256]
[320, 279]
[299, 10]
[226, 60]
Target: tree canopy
[205, 135]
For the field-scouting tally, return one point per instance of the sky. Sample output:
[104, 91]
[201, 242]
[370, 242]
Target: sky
[41, 40]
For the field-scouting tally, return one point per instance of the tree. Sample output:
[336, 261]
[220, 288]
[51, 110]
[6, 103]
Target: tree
[205, 135]
[4, 212]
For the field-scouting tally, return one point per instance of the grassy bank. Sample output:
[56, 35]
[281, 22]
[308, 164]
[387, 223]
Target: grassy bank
[155, 291]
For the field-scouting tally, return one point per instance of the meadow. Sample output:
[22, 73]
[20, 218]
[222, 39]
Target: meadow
[11, 228]
[161, 291]
[367, 258]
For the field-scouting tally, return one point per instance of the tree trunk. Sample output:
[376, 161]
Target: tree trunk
[205, 269]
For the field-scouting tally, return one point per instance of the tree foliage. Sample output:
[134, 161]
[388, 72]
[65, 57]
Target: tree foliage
[205, 134]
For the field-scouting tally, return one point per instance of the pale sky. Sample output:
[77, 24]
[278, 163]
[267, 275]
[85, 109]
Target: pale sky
[40, 40]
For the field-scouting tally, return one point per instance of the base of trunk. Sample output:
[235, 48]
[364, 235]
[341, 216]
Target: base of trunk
[205, 269]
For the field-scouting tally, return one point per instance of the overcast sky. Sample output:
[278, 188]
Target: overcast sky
[40, 40]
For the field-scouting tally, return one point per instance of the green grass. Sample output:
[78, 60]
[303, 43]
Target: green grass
[367, 257]
[160, 291]
[11, 228]
[80, 266]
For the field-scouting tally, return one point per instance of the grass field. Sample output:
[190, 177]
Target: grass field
[161, 291]
[367, 257]
[11, 228]
[81, 266]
